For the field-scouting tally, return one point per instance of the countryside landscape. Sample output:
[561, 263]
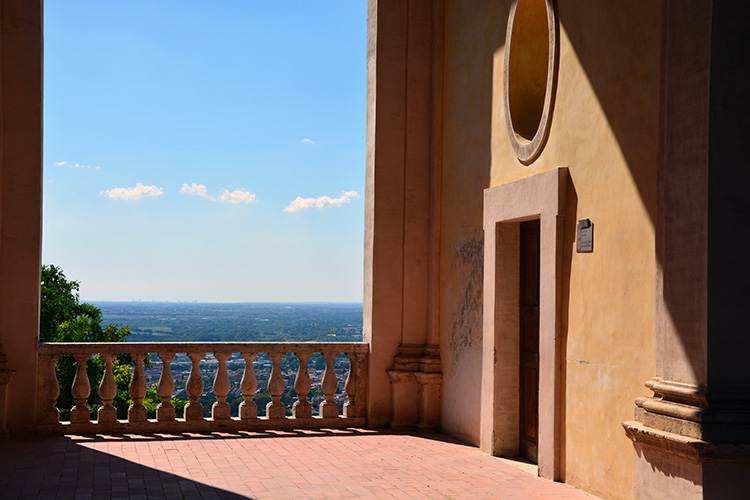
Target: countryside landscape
[239, 322]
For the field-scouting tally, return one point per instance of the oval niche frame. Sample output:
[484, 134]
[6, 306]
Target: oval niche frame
[529, 150]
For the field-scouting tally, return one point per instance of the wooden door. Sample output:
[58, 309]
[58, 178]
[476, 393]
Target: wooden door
[529, 339]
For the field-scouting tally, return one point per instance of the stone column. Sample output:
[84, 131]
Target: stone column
[402, 216]
[20, 202]
[692, 437]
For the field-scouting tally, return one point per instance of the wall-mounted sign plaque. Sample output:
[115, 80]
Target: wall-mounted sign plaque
[585, 236]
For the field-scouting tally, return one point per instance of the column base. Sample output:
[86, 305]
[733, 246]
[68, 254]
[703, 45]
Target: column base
[106, 414]
[430, 391]
[302, 409]
[221, 411]
[275, 410]
[405, 393]
[668, 465]
[193, 411]
[80, 415]
[417, 388]
[690, 444]
[329, 409]
[165, 413]
[248, 410]
[137, 413]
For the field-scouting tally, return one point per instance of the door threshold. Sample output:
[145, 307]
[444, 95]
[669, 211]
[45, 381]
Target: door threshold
[522, 464]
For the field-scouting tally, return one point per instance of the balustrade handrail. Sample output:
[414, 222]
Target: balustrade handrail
[137, 421]
[184, 347]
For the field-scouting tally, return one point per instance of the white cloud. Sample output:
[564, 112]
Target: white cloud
[235, 197]
[133, 193]
[75, 165]
[320, 202]
[308, 141]
[195, 190]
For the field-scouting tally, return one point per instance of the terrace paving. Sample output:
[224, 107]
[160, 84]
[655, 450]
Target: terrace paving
[327, 464]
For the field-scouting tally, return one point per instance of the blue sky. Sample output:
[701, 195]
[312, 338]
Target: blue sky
[206, 150]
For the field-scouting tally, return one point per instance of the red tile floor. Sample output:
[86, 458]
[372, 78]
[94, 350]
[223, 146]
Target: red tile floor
[275, 465]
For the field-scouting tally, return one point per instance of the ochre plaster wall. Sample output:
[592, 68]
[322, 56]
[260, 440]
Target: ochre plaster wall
[474, 32]
[604, 129]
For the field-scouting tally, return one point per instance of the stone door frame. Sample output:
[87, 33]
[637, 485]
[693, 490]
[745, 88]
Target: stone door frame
[540, 196]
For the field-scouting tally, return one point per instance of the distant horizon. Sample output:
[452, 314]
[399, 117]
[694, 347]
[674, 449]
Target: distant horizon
[236, 322]
[216, 302]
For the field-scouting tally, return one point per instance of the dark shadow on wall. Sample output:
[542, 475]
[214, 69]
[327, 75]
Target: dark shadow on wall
[469, 51]
[623, 68]
[667, 467]
[568, 244]
[711, 478]
[619, 45]
[468, 60]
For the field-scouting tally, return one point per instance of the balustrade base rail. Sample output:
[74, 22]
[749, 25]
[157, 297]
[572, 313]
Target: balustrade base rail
[180, 426]
[48, 415]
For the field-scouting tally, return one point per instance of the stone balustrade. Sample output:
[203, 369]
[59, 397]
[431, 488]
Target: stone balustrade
[354, 411]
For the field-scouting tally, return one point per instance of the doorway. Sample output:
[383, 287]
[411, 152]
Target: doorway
[529, 340]
[522, 350]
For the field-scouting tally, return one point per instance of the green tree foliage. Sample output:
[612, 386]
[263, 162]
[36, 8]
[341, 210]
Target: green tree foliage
[151, 401]
[63, 318]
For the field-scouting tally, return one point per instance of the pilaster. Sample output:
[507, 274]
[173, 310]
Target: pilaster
[20, 203]
[692, 436]
[402, 212]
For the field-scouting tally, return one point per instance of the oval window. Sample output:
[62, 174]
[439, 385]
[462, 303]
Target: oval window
[530, 75]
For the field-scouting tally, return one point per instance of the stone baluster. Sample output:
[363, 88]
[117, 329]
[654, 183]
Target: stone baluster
[329, 408]
[165, 410]
[6, 375]
[137, 412]
[107, 391]
[276, 409]
[81, 390]
[350, 408]
[302, 407]
[248, 386]
[51, 390]
[221, 409]
[194, 388]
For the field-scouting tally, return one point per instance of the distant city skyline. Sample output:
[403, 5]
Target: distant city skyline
[209, 152]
